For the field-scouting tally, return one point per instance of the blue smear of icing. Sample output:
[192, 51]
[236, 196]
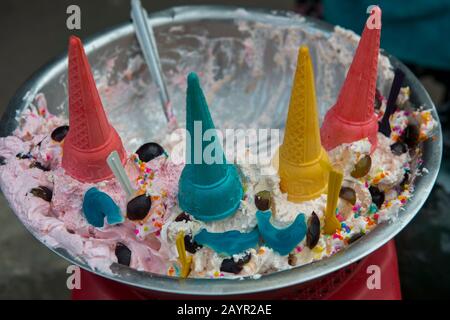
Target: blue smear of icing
[280, 240]
[97, 205]
[230, 242]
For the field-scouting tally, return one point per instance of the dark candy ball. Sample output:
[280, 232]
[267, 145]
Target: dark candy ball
[138, 207]
[60, 133]
[123, 254]
[42, 192]
[149, 151]
[263, 200]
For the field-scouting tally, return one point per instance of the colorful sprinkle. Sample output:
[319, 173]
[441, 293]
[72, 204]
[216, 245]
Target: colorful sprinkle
[340, 217]
[402, 199]
[345, 227]
[373, 208]
[337, 235]
[317, 249]
[171, 271]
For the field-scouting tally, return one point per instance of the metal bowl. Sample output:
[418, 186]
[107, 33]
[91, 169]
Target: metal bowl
[247, 59]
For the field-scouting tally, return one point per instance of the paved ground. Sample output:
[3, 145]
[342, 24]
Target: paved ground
[28, 270]
[32, 32]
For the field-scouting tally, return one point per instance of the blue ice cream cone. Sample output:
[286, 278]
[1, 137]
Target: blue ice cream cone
[209, 187]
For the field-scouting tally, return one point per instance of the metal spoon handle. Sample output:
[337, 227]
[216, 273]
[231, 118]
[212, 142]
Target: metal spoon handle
[146, 39]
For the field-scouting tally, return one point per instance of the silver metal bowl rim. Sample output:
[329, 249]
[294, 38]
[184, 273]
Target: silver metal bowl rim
[278, 280]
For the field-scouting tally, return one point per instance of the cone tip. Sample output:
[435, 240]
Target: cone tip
[304, 50]
[303, 55]
[193, 79]
[74, 41]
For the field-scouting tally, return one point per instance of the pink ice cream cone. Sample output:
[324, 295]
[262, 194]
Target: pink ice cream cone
[91, 137]
[353, 118]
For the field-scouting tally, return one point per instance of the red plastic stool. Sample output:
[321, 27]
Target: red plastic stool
[349, 283]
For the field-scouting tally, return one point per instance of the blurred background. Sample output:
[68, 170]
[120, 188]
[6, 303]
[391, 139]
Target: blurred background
[34, 31]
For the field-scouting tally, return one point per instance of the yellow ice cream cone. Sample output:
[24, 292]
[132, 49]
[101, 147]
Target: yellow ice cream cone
[302, 162]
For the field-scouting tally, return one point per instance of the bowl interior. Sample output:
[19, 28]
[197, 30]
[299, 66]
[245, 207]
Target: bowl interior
[246, 61]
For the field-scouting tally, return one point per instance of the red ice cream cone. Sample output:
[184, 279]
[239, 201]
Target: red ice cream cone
[91, 137]
[353, 118]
